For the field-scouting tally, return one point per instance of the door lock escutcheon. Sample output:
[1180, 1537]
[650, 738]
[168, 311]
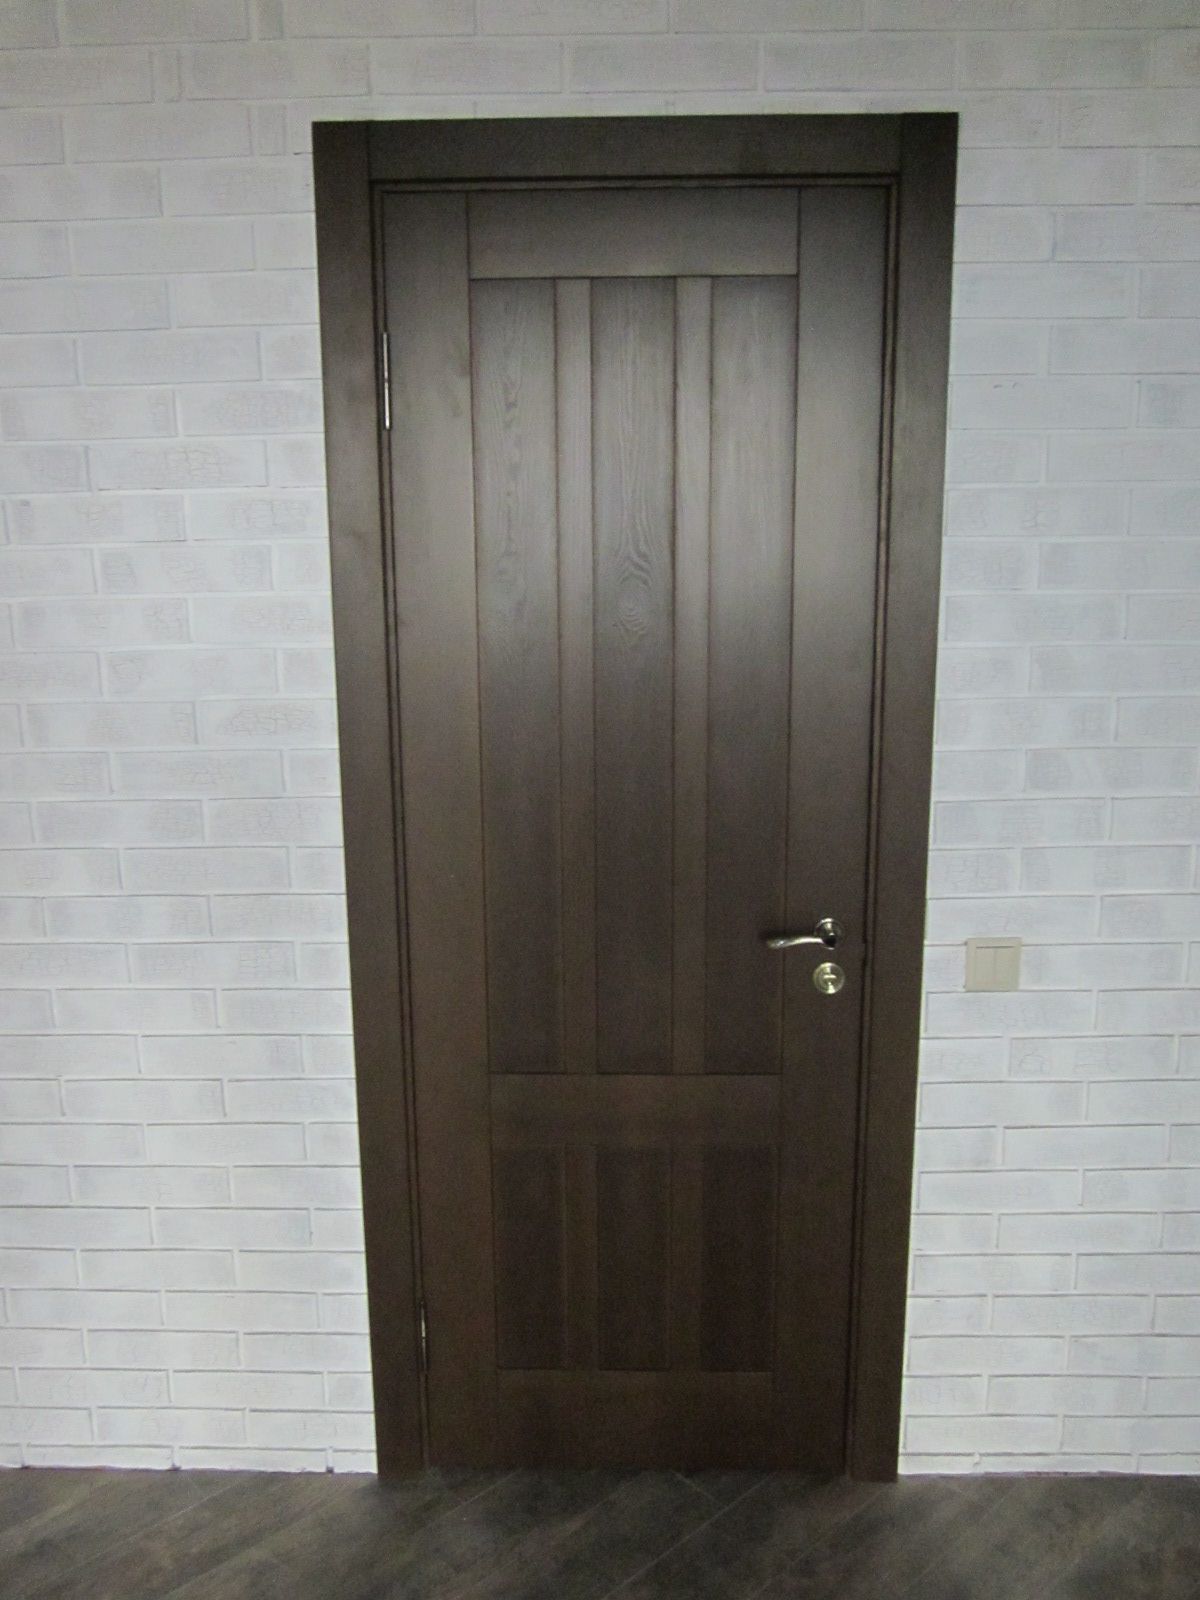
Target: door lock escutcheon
[828, 978]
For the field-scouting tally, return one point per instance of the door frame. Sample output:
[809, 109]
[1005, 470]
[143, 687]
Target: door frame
[915, 156]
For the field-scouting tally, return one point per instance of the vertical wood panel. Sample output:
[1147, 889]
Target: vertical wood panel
[578, 758]
[693, 377]
[512, 392]
[914, 512]
[633, 1205]
[843, 263]
[753, 446]
[370, 805]
[462, 1393]
[632, 426]
[580, 1231]
[737, 1263]
[530, 1319]
[433, 530]
[687, 1198]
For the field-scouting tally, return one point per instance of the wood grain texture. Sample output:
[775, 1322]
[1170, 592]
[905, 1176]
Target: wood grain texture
[517, 581]
[633, 333]
[606, 233]
[60, 1536]
[634, 1109]
[840, 400]
[571, 148]
[687, 1254]
[633, 1208]
[916, 451]
[753, 447]
[693, 432]
[581, 1235]
[738, 1227]
[530, 1291]
[539, 1535]
[437, 655]
[576, 693]
[145, 1547]
[689, 1421]
[363, 620]
[621, 586]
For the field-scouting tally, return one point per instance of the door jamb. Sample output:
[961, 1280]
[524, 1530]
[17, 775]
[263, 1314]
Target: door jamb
[914, 152]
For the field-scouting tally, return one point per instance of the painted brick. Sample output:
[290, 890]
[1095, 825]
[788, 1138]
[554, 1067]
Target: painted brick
[152, 674]
[273, 723]
[87, 520]
[152, 133]
[1021, 177]
[30, 137]
[296, 514]
[274, 71]
[157, 1186]
[61, 77]
[73, 193]
[1142, 347]
[1168, 292]
[152, 21]
[103, 727]
[204, 870]
[1055, 289]
[236, 188]
[31, 361]
[210, 962]
[228, 299]
[33, 252]
[1110, 771]
[453, 66]
[259, 409]
[244, 1228]
[1152, 117]
[176, 356]
[1067, 729]
[198, 464]
[87, 414]
[118, 822]
[532, 16]
[198, 773]
[169, 245]
[378, 18]
[1052, 61]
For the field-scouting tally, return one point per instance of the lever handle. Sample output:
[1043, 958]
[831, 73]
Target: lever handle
[828, 933]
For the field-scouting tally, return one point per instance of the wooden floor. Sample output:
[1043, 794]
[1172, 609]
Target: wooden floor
[588, 1535]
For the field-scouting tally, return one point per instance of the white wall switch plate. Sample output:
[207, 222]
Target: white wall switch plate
[993, 964]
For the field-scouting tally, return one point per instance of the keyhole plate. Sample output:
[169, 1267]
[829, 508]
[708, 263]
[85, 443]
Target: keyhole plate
[828, 977]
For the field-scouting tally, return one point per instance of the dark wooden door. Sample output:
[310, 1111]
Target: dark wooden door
[635, 443]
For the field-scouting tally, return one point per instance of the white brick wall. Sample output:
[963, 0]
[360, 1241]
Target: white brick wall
[180, 1242]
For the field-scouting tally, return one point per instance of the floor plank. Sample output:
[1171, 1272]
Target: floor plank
[25, 1496]
[645, 1512]
[1150, 1550]
[198, 1538]
[754, 1540]
[104, 1535]
[40, 1553]
[889, 1543]
[347, 1548]
[1021, 1544]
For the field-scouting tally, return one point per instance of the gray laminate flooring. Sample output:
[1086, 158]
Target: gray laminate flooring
[100, 1535]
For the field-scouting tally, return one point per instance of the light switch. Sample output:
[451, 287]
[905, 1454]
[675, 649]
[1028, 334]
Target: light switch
[993, 964]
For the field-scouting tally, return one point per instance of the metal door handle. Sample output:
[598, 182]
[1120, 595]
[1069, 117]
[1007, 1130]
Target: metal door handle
[827, 933]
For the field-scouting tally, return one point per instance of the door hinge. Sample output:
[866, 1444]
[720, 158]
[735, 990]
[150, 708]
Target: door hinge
[385, 377]
[423, 1335]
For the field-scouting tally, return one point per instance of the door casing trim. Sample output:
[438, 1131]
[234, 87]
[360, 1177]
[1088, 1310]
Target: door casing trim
[916, 154]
